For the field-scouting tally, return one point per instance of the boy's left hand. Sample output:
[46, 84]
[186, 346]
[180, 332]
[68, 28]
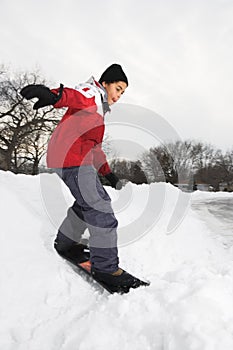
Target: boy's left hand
[114, 181]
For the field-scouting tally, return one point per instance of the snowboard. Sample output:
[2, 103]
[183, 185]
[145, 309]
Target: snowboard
[83, 268]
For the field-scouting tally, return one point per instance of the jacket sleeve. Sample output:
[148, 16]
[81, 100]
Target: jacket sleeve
[74, 99]
[100, 161]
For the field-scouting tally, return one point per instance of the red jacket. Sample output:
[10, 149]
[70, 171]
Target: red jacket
[78, 137]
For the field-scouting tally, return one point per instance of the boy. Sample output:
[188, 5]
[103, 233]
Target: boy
[75, 153]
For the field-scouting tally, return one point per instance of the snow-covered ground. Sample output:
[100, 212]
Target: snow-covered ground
[46, 305]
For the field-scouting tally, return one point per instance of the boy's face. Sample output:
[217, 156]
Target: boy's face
[114, 90]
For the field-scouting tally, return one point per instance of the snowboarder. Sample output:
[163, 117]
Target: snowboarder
[75, 152]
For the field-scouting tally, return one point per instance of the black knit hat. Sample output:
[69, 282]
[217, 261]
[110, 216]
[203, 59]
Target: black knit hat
[113, 74]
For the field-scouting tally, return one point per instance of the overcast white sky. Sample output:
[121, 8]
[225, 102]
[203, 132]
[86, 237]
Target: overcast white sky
[177, 54]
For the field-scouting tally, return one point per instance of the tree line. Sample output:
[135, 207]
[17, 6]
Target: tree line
[182, 162]
[24, 135]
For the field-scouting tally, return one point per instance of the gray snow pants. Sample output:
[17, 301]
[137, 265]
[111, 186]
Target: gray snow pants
[92, 209]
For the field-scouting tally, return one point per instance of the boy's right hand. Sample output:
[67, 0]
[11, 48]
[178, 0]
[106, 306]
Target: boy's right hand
[43, 93]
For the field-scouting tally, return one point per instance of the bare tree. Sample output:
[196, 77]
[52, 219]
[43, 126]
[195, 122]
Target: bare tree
[212, 175]
[23, 131]
[152, 166]
[159, 165]
[203, 155]
[225, 162]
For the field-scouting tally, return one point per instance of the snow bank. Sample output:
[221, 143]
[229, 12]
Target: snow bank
[46, 305]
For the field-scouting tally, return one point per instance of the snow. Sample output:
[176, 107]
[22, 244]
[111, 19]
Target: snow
[46, 305]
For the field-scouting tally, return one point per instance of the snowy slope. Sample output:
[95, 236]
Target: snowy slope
[46, 305]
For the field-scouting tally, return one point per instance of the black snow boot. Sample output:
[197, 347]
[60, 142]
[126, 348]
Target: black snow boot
[77, 253]
[70, 250]
[62, 242]
[119, 281]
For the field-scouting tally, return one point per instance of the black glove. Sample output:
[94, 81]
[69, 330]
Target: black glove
[114, 181]
[43, 93]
